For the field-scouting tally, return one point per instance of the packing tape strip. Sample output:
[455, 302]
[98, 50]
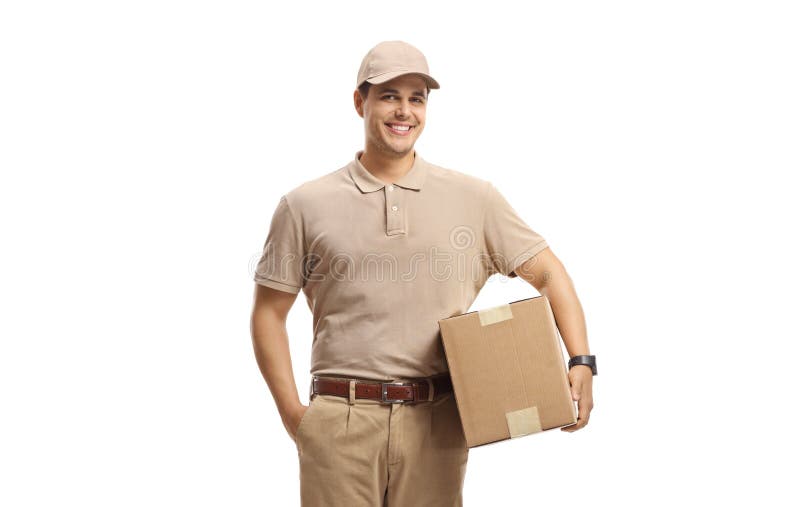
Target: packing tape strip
[523, 422]
[495, 314]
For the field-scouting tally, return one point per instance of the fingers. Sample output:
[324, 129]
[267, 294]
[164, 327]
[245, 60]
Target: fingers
[585, 406]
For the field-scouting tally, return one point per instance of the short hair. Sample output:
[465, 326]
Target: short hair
[363, 90]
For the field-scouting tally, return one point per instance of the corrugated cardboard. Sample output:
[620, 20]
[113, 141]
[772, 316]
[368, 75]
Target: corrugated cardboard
[508, 371]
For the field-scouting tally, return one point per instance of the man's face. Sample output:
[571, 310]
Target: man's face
[394, 114]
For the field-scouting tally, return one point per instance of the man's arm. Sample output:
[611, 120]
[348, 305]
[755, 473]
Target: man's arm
[271, 345]
[547, 274]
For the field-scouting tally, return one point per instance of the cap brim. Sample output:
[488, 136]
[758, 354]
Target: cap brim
[432, 83]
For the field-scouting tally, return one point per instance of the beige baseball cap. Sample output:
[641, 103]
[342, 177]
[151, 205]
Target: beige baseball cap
[393, 58]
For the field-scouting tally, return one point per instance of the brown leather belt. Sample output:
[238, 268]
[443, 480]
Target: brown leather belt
[385, 392]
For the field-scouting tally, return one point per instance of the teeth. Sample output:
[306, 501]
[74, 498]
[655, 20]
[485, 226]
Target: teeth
[400, 127]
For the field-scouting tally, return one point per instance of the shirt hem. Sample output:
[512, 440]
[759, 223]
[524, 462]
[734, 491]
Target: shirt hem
[525, 255]
[273, 284]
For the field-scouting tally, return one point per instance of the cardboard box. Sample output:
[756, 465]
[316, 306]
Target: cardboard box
[508, 371]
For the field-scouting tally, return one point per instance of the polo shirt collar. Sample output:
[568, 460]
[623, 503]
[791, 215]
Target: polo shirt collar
[366, 182]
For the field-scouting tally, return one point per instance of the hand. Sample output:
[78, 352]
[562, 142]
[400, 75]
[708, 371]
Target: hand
[580, 381]
[292, 421]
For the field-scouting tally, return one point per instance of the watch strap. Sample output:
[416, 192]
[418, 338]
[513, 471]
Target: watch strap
[587, 360]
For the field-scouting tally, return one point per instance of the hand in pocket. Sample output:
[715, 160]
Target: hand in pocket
[293, 424]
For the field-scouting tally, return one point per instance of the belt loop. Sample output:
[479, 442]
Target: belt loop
[430, 388]
[352, 399]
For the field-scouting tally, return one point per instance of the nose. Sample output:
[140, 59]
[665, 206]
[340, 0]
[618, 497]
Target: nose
[403, 109]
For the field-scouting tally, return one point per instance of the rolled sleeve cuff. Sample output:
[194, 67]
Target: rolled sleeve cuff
[519, 259]
[273, 284]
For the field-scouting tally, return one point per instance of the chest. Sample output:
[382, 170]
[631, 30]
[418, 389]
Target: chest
[395, 231]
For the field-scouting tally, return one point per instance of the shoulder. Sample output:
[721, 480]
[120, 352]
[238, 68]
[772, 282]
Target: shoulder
[453, 180]
[317, 189]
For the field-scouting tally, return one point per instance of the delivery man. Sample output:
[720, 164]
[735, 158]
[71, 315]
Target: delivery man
[383, 247]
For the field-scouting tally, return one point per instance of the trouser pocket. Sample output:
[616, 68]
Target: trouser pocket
[304, 420]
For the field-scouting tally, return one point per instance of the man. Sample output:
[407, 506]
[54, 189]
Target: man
[383, 248]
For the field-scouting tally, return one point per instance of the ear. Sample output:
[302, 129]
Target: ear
[359, 103]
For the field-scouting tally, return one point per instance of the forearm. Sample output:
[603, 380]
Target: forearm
[271, 346]
[567, 311]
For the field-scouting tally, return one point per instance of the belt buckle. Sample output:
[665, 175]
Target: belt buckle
[312, 388]
[384, 386]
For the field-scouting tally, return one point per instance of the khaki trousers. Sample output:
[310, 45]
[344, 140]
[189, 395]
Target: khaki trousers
[364, 453]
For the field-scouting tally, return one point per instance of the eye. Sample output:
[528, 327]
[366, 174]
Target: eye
[387, 96]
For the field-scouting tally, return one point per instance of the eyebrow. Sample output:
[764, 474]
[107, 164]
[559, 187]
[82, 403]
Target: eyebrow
[392, 90]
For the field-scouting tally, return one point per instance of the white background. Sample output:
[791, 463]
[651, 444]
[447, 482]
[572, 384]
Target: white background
[144, 146]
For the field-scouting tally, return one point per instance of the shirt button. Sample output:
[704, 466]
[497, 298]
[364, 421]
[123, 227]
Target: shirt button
[394, 208]
[391, 187]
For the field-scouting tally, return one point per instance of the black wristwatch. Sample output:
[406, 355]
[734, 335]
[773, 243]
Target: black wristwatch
[587, 360]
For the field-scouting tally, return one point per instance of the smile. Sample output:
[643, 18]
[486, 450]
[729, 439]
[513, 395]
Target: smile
[399, 129]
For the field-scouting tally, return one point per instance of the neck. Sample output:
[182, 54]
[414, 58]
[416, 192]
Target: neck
[386, 167]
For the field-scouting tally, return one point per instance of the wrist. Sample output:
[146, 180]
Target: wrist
[584, 360]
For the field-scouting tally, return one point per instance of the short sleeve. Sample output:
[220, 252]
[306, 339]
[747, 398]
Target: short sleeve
[282, 260]
[509, 240]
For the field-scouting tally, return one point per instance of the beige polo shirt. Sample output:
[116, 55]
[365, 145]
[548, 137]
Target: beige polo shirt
[381, 264]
